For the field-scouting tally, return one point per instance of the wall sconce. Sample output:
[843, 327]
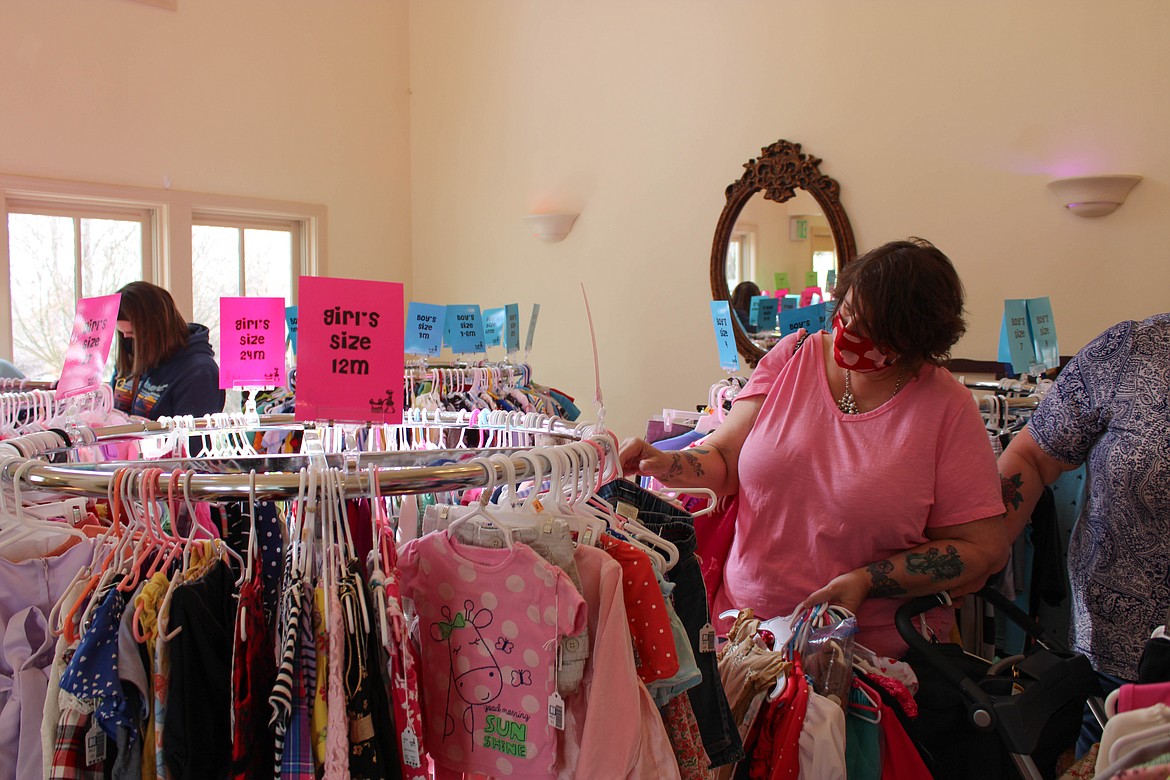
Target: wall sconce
[550, 227]
[1093, 196]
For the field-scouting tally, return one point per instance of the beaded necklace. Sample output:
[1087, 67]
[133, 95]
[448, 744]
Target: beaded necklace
[848, 404]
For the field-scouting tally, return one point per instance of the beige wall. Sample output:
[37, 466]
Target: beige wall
[296, 100]
[944, 120]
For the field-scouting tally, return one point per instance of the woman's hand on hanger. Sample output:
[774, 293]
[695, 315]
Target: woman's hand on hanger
[848, 590]
[713, 464]
[699, 467]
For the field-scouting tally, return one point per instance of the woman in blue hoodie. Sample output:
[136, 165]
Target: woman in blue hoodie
[164, 366]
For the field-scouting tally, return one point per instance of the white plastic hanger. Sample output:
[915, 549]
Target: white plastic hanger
[24, 525]
[480, 507]
[574, 509]
[345, 547]
[672, 494]
[377, 575]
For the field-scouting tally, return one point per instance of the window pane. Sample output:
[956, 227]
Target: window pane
[268, 263]
[823, 262]
[42, 285]
[734, 255]
[215, 272]
[111, 255]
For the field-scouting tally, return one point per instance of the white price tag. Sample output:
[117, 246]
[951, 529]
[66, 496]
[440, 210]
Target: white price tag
[707, 639]
[410, 753]
[95, 744]
[556, 711]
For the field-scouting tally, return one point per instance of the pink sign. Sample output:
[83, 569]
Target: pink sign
[806, 297]
[350, 350]
[251, 342]
[89, 346]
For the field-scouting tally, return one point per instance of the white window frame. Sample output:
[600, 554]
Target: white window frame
[295, 228]
[746, 236]
[168, 216]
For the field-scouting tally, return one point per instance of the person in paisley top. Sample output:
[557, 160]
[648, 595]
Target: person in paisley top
[1108, 410]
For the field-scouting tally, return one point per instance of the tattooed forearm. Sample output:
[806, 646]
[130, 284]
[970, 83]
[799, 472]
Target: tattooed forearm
[940, 567]
[1011, 490]
[675, 467]
[883, 585]
[695, 464]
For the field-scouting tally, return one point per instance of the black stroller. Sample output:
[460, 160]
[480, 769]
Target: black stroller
[978, 719]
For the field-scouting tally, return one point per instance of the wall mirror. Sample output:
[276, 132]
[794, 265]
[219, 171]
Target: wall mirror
[782, 216]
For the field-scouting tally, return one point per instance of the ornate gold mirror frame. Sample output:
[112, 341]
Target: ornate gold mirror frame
[778, 172]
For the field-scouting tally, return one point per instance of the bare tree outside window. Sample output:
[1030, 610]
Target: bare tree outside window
[42, 284]
[43, 269]
[216, 273]
[268, 259]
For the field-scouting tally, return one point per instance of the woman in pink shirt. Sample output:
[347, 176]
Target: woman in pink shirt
[864, 473]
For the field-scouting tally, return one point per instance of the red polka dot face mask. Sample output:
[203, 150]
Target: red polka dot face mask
[855, 352]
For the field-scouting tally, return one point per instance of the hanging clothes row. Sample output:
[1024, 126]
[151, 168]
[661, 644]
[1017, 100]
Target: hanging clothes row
[501, 386]
[27, 411]
[1006, 406]
[9, 384]
[204, 610]
[678, 427]
[493, 386]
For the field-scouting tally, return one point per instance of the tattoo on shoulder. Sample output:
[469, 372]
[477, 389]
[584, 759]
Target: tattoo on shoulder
[883, 585]
[695, 464]
[699, 450]
[940, 566]
[1012, 495]
[675, 467]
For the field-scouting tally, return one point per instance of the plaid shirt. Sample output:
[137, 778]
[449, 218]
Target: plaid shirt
[69, 748]
[297, 761]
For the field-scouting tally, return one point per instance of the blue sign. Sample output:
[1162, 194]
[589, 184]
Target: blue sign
[1015, 337]
[1043, 332]
[811, 318]
[763, 312]
[290, 320]
[422, 335]
[512, 327]
[790, 303]
[824, 316]
[724, 335]
[465, 326]
[1027, 337]
[493, 324]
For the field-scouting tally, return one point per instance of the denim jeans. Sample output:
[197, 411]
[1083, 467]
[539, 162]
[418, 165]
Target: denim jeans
[708, 700]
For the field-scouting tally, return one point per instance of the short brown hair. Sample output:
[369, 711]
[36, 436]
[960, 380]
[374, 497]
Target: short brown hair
[159, 329]
[907, 298]
[742, 297]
